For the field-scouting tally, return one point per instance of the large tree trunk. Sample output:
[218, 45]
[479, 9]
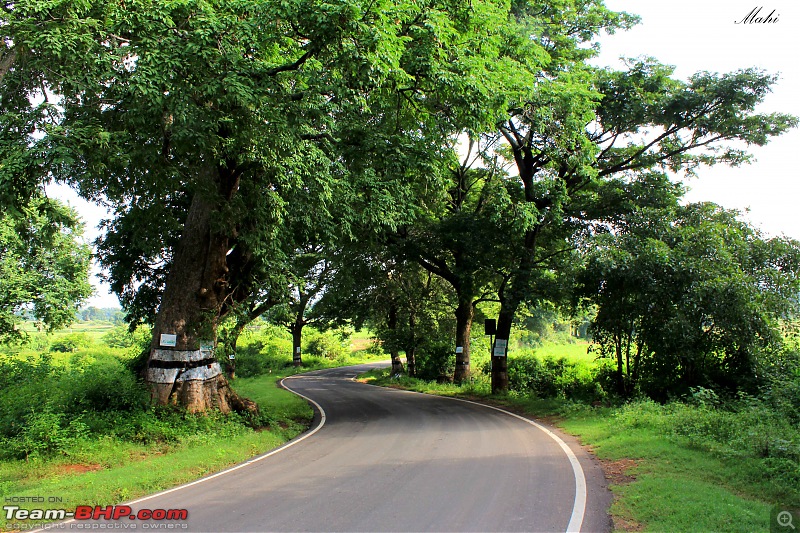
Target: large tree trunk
[394, 353]
[500, 349]
[297, 342]
[182, 367]
[464, 314]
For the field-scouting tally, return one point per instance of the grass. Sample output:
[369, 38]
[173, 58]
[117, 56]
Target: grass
[578, 351]
[675, 486]
[110, 468]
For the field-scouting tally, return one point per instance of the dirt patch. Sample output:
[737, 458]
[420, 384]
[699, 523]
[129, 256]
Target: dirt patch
[621, 524]
[76, 469]
[617, 471]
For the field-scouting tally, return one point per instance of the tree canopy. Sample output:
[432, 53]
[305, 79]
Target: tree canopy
[689, 296]
[229, 137]
[44, 267]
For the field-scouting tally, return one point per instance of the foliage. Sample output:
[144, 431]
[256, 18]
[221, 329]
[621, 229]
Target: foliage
[96, 314]
[70, 343]
[265, 351]
[44, 266]
[551, 377]
[122, 337]
[435, 361]
[328, 345]
[52, 409]
[689, 297]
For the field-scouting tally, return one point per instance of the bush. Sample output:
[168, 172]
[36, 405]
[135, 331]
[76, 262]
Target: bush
[435, 361]
[741, 428]
[70, 343]
[327, 345]
[104, 385]
[553, 378]
[44, 432]
[782, 381]
[121, 337]
[256, 358]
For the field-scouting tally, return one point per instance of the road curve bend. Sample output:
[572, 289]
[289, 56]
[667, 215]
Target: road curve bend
[379, 459]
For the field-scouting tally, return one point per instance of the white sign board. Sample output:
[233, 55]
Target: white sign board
[232, 356]
[297, 350]
[168, 339]
[500, 347]
[459, 349]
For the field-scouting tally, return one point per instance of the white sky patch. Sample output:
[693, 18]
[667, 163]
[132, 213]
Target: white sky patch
[91, 214]
[704, 35]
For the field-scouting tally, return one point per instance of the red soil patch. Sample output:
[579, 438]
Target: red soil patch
[76, 469]
[617, 471]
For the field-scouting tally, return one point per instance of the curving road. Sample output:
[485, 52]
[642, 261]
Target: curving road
[386, 460]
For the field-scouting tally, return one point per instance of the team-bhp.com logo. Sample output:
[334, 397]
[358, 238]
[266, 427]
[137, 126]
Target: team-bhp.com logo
[87, 512]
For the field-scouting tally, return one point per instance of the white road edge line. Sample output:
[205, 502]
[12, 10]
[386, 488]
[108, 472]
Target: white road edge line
[579, 505]
[322, 420]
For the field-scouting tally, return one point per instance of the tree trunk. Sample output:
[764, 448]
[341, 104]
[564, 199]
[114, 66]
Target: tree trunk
[182, 367]
[500, 362]
[297, 342]
[391, 323]
[411, 362]
[464, 314]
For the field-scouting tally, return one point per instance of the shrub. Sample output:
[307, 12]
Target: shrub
[435, 361]
[70, 343]
[121, 337]
[43, 432]
[256, 358]
[553, 378]
[327, 345]
[104, 385]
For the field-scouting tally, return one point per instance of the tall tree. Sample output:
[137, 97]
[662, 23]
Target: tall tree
[458, 238]
[569, 140]
[311, 271]
[226, 107]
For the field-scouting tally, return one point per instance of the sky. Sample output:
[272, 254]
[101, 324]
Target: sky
[710, 35]
[704, 35]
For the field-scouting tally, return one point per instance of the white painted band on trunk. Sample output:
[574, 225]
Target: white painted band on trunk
[162, 375]
[178, 375]
[201, 373]
[179, 355]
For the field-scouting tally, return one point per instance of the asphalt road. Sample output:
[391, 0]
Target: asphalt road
[386, 460]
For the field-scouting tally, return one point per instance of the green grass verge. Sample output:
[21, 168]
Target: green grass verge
[110, 471]
[672, 479]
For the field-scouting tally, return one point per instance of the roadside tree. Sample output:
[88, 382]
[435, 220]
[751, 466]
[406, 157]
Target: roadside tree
[44, 267]
[689, 296]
